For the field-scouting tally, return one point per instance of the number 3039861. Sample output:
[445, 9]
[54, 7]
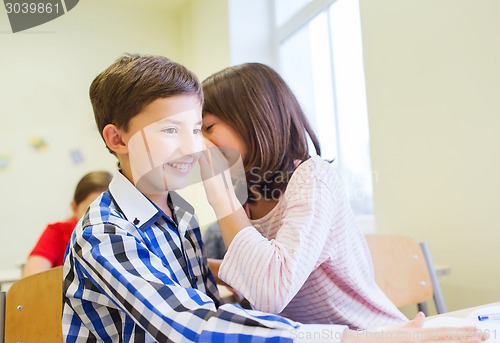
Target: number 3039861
[31, 7]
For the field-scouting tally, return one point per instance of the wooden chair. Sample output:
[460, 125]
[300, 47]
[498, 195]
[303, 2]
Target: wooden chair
[405, 272]
[33, 309]
[2, 315]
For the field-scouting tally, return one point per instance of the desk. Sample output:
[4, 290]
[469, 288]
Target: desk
[465, 312]
[226, 294]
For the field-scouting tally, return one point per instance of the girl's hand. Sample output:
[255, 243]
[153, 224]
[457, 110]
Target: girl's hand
[216, 167]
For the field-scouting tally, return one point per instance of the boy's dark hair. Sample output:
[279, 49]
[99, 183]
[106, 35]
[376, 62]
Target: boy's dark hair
[96, 181]
[133, 81]
[254, 100]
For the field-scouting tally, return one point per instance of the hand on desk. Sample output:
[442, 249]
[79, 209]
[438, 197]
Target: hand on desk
[413, 331]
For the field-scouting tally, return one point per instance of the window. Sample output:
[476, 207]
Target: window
[320, 57]
[284, 10]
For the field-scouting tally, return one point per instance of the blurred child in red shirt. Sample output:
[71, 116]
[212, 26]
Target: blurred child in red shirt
[51, 246]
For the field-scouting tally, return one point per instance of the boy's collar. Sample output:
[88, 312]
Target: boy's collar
[134, 205]
[137, 208]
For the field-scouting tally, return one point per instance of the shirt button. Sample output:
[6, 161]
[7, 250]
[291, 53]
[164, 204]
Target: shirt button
[195, 278]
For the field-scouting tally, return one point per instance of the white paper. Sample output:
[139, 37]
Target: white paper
[490, 328]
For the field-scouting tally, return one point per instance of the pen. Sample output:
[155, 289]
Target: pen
[491, 316]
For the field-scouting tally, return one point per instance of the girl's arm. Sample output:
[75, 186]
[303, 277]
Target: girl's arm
[269, 273]
[214, 266]
[36, 264]
[217, 182]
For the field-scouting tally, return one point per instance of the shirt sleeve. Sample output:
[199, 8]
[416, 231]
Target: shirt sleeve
[269, 273]
[47, 245]
[134, 280]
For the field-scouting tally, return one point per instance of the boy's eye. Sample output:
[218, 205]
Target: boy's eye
[170, 130]
[209, 127]
[197, 131]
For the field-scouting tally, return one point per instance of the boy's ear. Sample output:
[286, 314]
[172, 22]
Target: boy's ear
[114, 140]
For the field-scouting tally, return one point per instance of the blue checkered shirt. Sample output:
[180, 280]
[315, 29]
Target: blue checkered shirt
[133, 274]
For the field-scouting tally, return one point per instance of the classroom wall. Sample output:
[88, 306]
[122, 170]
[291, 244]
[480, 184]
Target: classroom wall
[433, 86]
[204, 26]
[204, 37]
[45, 75]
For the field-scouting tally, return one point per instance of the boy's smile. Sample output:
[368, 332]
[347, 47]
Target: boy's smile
[163, 142]
[181, 167]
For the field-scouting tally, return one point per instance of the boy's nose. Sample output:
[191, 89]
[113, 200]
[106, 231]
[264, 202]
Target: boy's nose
[190, 144]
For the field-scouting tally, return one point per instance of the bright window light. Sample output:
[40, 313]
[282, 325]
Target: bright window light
[321, 60]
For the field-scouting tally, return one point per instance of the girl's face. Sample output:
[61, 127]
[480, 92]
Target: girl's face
[222, 135]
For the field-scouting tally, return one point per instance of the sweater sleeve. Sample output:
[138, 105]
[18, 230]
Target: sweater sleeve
[269, 273]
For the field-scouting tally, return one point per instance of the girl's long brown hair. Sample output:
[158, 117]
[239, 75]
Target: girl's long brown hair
[254, 100]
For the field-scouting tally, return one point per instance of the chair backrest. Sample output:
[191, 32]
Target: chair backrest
[33, 309]
[400, 269]
[2, 315]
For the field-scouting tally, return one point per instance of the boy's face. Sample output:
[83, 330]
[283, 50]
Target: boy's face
[163, 142]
